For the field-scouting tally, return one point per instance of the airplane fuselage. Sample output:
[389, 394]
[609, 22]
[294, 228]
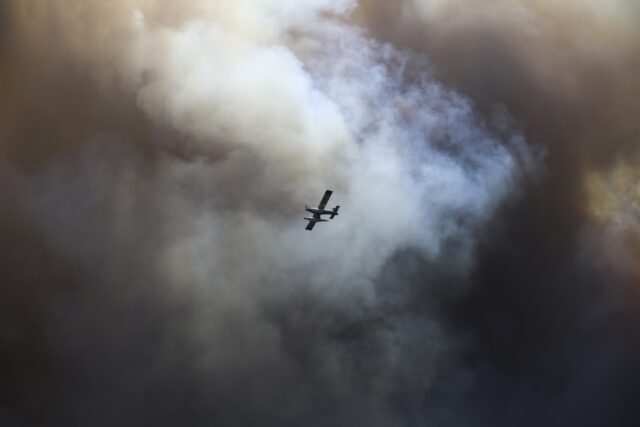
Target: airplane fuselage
[319, 211]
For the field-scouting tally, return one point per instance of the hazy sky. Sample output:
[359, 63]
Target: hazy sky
[156, 157]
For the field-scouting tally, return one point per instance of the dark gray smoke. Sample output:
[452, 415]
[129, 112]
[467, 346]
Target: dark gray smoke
[553, 308]
[155, 158]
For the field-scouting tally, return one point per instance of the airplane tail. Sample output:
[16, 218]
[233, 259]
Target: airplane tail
[335, 212]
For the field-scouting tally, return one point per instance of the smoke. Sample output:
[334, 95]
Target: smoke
[155, 158]
[567, 73]
[552, 310]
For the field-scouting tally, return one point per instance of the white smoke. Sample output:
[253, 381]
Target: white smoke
[278, 101]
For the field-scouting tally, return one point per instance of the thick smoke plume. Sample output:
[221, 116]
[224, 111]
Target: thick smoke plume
[554, 308]
[155, 157]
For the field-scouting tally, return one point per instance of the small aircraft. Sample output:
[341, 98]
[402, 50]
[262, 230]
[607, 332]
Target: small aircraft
[320, 210]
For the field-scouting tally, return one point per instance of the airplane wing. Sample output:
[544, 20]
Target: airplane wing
[325, 199]
[310, 225]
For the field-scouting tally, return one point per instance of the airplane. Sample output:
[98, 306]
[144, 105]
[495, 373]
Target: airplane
[320, 210]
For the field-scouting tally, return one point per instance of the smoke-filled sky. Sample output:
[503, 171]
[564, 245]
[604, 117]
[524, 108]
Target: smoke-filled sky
[156, 157]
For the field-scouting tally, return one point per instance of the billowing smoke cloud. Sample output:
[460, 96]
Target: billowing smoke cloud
[553, 310]
[568, 73]
[155, 160]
